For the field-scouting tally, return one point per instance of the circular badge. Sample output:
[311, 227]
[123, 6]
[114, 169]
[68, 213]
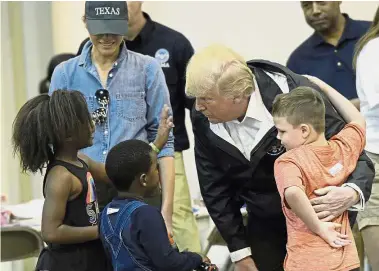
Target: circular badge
[162, 55]
[276, 150]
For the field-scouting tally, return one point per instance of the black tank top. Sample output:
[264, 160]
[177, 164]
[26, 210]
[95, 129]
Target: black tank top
[83, 210]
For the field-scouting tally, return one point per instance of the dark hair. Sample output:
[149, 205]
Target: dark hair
[44, 123]
[126, 161]
[372, 32]
[54, 61]
[301, 105]
[81, 46]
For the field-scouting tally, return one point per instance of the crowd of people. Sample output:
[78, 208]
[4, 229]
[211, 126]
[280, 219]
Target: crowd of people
[298, 145]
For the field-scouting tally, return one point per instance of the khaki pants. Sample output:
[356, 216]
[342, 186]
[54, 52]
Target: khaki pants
[186, 233]
[368, 222]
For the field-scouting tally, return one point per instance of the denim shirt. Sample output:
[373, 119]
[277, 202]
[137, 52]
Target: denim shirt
[137, 91]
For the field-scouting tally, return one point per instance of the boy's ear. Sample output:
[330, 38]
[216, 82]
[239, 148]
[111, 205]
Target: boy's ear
[305, 130]
[143, 180]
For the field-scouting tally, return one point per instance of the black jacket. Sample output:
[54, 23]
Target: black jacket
[228, 180]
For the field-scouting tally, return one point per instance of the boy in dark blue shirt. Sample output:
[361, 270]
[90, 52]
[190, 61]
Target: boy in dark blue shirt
[133, 233]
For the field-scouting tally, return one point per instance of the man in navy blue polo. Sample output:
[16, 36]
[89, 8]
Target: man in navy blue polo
[328, 52]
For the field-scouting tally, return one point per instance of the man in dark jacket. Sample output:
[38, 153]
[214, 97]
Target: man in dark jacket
[235, 150]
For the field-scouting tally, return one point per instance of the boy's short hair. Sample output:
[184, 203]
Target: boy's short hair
[301, 105]
[126, 161]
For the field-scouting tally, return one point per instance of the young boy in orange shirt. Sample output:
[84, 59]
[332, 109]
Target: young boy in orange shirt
[312, 162]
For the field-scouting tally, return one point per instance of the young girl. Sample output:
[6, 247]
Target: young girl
[50, 131]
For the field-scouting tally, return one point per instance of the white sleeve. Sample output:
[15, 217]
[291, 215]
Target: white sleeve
[238, 255]
[368, 72]
[360, 206]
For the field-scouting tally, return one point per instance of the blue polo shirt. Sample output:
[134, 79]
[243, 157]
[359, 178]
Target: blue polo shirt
[332, 64]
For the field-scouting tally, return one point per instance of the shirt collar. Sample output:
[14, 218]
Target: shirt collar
[349, 32]
[130, 196]
[85, 56]
[255, 109]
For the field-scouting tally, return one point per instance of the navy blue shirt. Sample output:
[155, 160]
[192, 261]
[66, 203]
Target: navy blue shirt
[332, 64]
[148, 232]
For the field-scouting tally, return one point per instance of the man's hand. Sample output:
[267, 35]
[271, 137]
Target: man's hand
[246, 264]
[333, 201]
[328, 232]
[205, 259]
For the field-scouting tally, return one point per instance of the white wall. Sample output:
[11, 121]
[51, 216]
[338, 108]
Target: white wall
[9, 169]
[269, 30]
[38, 52]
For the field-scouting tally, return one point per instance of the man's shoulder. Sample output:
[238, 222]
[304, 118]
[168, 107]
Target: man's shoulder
[172, 38]
[167, 31]
[360, 25]
[273, 67]
[302, 49]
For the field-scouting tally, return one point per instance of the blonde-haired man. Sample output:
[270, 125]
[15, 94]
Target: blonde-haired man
[235, 151]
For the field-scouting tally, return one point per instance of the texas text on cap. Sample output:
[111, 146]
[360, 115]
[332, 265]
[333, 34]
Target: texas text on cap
[107, 17]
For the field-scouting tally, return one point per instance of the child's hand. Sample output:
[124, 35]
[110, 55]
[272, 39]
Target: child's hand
[206, 259]
[206, 265]
[328, 232]
[165, 125]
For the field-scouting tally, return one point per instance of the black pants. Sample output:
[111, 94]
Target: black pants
[88, 256]
[267, 239]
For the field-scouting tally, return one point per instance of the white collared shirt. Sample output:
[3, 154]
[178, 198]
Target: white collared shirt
[368, 92]
[245, 135]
